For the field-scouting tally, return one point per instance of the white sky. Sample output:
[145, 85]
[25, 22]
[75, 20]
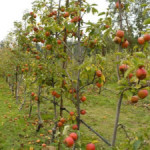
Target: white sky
[12, 10]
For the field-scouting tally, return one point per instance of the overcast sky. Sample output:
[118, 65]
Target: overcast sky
[12, 10]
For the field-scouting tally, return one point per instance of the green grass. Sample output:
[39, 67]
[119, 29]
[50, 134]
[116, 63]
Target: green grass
[17, 131]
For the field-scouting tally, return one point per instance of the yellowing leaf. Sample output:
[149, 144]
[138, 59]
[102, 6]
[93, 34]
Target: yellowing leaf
[137, 86]
[136, 138]
[73, 118]
[88, 68]
[95, 141]
[103, 78]
[31, 148]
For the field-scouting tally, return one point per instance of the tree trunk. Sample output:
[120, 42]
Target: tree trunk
[40, 121]
[117, 119]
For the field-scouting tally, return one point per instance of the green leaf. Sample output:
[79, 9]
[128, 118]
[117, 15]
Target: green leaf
[147, 21]
[106, 34]
[144, 5]
[88, 9]
[94, 5]
[118, 53]
[102, 13]
[94, 10]
[136, 145]
[135, 47]
[146, 11]
[140, 54]
[69, 27]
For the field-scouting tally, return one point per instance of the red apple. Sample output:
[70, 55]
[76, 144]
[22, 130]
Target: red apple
[49, 47]
[75, 19]
[35, 29]
[82, 112]
[134, 99]
[98, 73]
[72, 91]
[55, 17]
[120, 33]
[107, 26]
[42, 41]
[62, 9]
[98, 85]
[64, 82]
[74, 136]
[117, 39]
[44, 145]
[125, 44]
[54, 93]
[62, 120]
[141, 40]
[71, 113]
[90, 146]
[34, 40]
[31, 13]
[28, 49]
[36, 98]
[59, 124]
[142, 93]
[130, 75]
[59, 42]
[75, 127]
[147, 37]
[123, 68]
[69, 142]
[66, 14]
[32, 94]
[50, 15]
[26, 69]
[117, 5]
[38, 57]
[83, 98]
[54, 12]
[57, 95]
[47, 34]
[141, 73]
[22, 70]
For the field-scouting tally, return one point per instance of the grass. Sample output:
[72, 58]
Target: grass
[17, 131]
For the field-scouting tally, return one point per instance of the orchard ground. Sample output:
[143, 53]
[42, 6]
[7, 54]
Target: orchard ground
[18, 132]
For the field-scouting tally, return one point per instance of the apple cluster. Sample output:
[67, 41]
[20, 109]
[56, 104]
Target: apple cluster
[145, 38]
[70, 140]
[141, 74]
[119, 39]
